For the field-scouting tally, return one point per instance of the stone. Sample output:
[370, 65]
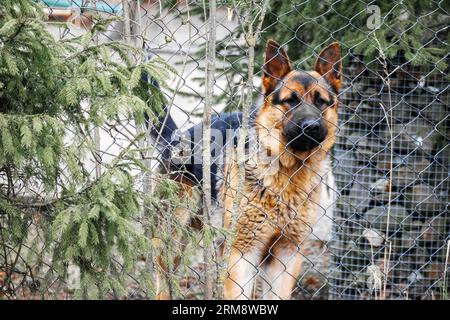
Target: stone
[405, 170]
[411, 237]
[418, 291]
[344, 168]
[423, 199]
[380, 185]
[410, 259]
[345, 229]
[380, 192]
[435, 111]
[418, 99]
[404, 176]
[369, 115]
[350, 107]
[443, 253]
[382, 160]
[377, 218]
[354, 258]
[346, 93]
[403, 269]
[416, 135]
[416, 257]
[374, 277]
[373, 143]
[435, 230]
[397, 107]
[358, 87]
[360, 194]
[362, 146]
[416, 279]
[418, 285]
[343, 131]
[382, 197]
[443, 155]
[434, 271]
[367, 148]
[357, 138]
[438, 176]
[387, 264]
[415, 225]
[374, 237]
[402, 112]
[370, 92]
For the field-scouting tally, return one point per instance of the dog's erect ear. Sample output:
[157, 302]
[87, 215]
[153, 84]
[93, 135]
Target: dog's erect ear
[276, 66]
[329, 65]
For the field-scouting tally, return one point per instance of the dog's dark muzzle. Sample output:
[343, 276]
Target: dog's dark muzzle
[305, 133]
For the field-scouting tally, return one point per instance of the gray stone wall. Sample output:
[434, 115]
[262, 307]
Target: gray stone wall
[408, 251]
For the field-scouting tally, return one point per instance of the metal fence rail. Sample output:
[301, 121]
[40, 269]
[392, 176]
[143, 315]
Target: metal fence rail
[382, 228]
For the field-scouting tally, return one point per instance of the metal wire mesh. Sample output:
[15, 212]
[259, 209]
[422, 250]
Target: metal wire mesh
[388, 169]
[417, 231]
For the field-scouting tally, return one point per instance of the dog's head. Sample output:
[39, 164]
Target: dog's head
[299, 114]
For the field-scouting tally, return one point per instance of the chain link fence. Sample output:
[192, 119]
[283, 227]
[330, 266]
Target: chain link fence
[381, 228]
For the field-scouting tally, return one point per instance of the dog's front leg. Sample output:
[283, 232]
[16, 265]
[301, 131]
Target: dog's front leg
[282, 271]
[242, 272]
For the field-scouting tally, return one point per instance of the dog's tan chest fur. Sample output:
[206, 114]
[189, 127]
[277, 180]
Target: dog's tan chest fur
[279, 205]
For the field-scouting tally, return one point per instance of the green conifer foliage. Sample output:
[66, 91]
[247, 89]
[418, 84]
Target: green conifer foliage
[45, 138]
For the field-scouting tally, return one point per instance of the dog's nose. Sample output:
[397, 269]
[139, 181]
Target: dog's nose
[310, 127]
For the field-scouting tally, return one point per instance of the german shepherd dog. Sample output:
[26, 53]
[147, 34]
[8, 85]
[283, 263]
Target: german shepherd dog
[296, 126]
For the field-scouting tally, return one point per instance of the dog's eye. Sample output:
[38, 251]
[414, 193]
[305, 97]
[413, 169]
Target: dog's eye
[293, 100]
[320, 101]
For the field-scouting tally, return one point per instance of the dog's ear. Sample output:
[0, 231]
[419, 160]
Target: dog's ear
[329, 65]
[276, 66]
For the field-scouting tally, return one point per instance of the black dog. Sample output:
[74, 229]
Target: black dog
[181, 152]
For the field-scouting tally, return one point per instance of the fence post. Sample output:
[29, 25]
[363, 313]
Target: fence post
[97, 155]
[96, 133]
[206, 149]
[252, 36]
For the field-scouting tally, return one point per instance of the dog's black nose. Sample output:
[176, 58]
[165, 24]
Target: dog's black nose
[306, 133]
[310, 127]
